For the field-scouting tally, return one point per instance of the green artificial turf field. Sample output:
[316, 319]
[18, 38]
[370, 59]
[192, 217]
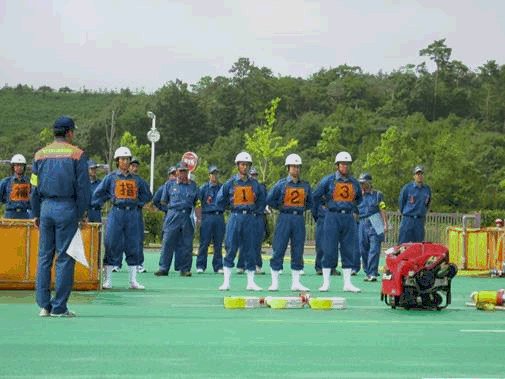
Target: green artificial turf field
[178, 328]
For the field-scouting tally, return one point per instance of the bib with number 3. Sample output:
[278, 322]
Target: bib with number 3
[243, 195]
[20, 192]
[344, 191]
[126, 190]
[294, 197]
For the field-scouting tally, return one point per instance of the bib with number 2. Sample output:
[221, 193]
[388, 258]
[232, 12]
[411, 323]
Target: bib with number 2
[344, 191]
[294, 197]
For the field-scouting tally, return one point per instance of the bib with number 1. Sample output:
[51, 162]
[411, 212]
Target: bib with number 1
[243, 195]
[344, 191]
[126, 190]
[294, 197]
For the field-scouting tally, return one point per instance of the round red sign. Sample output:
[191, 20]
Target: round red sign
[191, 159]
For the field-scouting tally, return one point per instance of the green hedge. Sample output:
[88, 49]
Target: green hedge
[488, 216]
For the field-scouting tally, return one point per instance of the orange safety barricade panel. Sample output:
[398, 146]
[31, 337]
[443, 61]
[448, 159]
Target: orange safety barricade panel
[18, 267]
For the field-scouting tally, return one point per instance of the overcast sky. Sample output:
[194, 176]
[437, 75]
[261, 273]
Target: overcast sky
[145, 44]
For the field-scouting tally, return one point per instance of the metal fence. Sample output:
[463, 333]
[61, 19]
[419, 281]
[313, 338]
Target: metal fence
[435, 227]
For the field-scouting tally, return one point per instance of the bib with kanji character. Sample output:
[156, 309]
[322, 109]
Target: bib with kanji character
[20, 192]
[126, 190]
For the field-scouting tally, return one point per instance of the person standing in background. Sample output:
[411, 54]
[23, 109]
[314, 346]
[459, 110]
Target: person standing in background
[372, 226]
[415, 198]
[94, 213]
[213, 226]
[15, 190]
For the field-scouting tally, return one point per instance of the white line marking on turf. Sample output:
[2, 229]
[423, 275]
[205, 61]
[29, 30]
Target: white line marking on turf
[482, 331]
[389, 322]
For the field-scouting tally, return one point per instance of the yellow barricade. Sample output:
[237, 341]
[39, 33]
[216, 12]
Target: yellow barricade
[476, 249]
[18, 267]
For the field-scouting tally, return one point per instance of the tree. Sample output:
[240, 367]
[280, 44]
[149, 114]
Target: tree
[180, 120]
[391, 161]
[141, 152]
[440, 54]
[65, 90]
[45, 89]
[266, 145]
[327, 148]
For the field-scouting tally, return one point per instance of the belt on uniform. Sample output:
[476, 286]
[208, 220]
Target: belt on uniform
[244, 212]
[213, 213]
[17, 210]
[185, 211]
[127, 207]
[414, 216]
[347, 211]
[293, 211]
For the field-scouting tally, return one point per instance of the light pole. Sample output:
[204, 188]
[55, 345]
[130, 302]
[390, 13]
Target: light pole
[153, 135]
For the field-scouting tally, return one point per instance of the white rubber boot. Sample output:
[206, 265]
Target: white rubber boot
[326, 280]
[295, 281]
[226, 283]
[107, 282]
[133, 278]
[275, 281]
[348, 287]
[251, 285]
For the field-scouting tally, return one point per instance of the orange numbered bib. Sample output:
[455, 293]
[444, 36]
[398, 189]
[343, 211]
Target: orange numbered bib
[344, 191]
[294, 197]
[243, 195]
[20, 192]
[126, 190]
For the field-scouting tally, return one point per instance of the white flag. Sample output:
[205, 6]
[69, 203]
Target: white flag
[76, 249]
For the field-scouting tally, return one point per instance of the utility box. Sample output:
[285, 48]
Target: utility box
[18, 267]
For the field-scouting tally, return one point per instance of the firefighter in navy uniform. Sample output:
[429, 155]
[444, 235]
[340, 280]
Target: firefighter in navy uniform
[213, 226]
[134, 168]
[122, 232]
[291, 196]
[415, 199]
[372, 210]
[242, 195]
[94, 213]
[320, 215]
[342, 194]
[259, 230]
[180, 198]
[60, 199]
[15, 190]
[172, 176]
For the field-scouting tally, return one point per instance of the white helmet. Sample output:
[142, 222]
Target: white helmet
[18, 159]
[122, 152]
[343, 156]
[243, 157]
[293, 160]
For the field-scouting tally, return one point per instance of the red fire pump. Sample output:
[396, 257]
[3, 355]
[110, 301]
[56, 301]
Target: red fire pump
[417, 275]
